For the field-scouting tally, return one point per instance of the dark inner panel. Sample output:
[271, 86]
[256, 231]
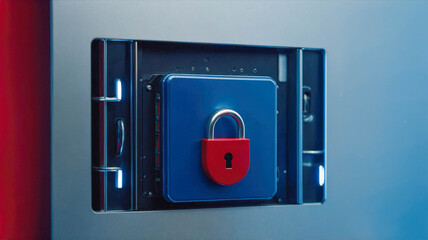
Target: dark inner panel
[313, 78]
[140, 106]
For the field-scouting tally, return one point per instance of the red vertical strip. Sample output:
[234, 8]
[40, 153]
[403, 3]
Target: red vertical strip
[25, 119]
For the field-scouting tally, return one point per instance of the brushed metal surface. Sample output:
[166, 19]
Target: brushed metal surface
[377, 115]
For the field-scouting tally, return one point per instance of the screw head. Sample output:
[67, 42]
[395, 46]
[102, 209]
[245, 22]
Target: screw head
[149, 87]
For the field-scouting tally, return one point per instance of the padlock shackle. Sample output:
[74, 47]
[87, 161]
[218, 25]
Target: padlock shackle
[226, 112]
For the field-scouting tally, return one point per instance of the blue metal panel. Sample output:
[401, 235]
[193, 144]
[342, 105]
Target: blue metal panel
[188, 102]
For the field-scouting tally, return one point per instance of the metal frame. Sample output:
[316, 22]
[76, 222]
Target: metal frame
[369, 199]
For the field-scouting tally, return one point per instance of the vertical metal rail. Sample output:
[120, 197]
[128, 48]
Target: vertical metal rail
[295, 131]
[134, 116]
[299, 125]
[105, 123]
[325, 124]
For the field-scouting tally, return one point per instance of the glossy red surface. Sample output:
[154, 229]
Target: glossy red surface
[213, 159]
[25, 119]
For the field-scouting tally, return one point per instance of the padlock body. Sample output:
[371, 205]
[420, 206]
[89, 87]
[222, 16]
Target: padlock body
[214, 163]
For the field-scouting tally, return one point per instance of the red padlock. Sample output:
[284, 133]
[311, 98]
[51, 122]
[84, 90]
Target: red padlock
[226, 160]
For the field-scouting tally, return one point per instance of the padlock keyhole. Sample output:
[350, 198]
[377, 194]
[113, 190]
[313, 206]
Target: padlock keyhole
[228, 157]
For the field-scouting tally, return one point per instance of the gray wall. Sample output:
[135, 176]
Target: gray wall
[377, 115]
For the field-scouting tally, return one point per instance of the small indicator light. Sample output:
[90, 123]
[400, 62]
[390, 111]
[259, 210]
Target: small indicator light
[119, 179]
[321, 175]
